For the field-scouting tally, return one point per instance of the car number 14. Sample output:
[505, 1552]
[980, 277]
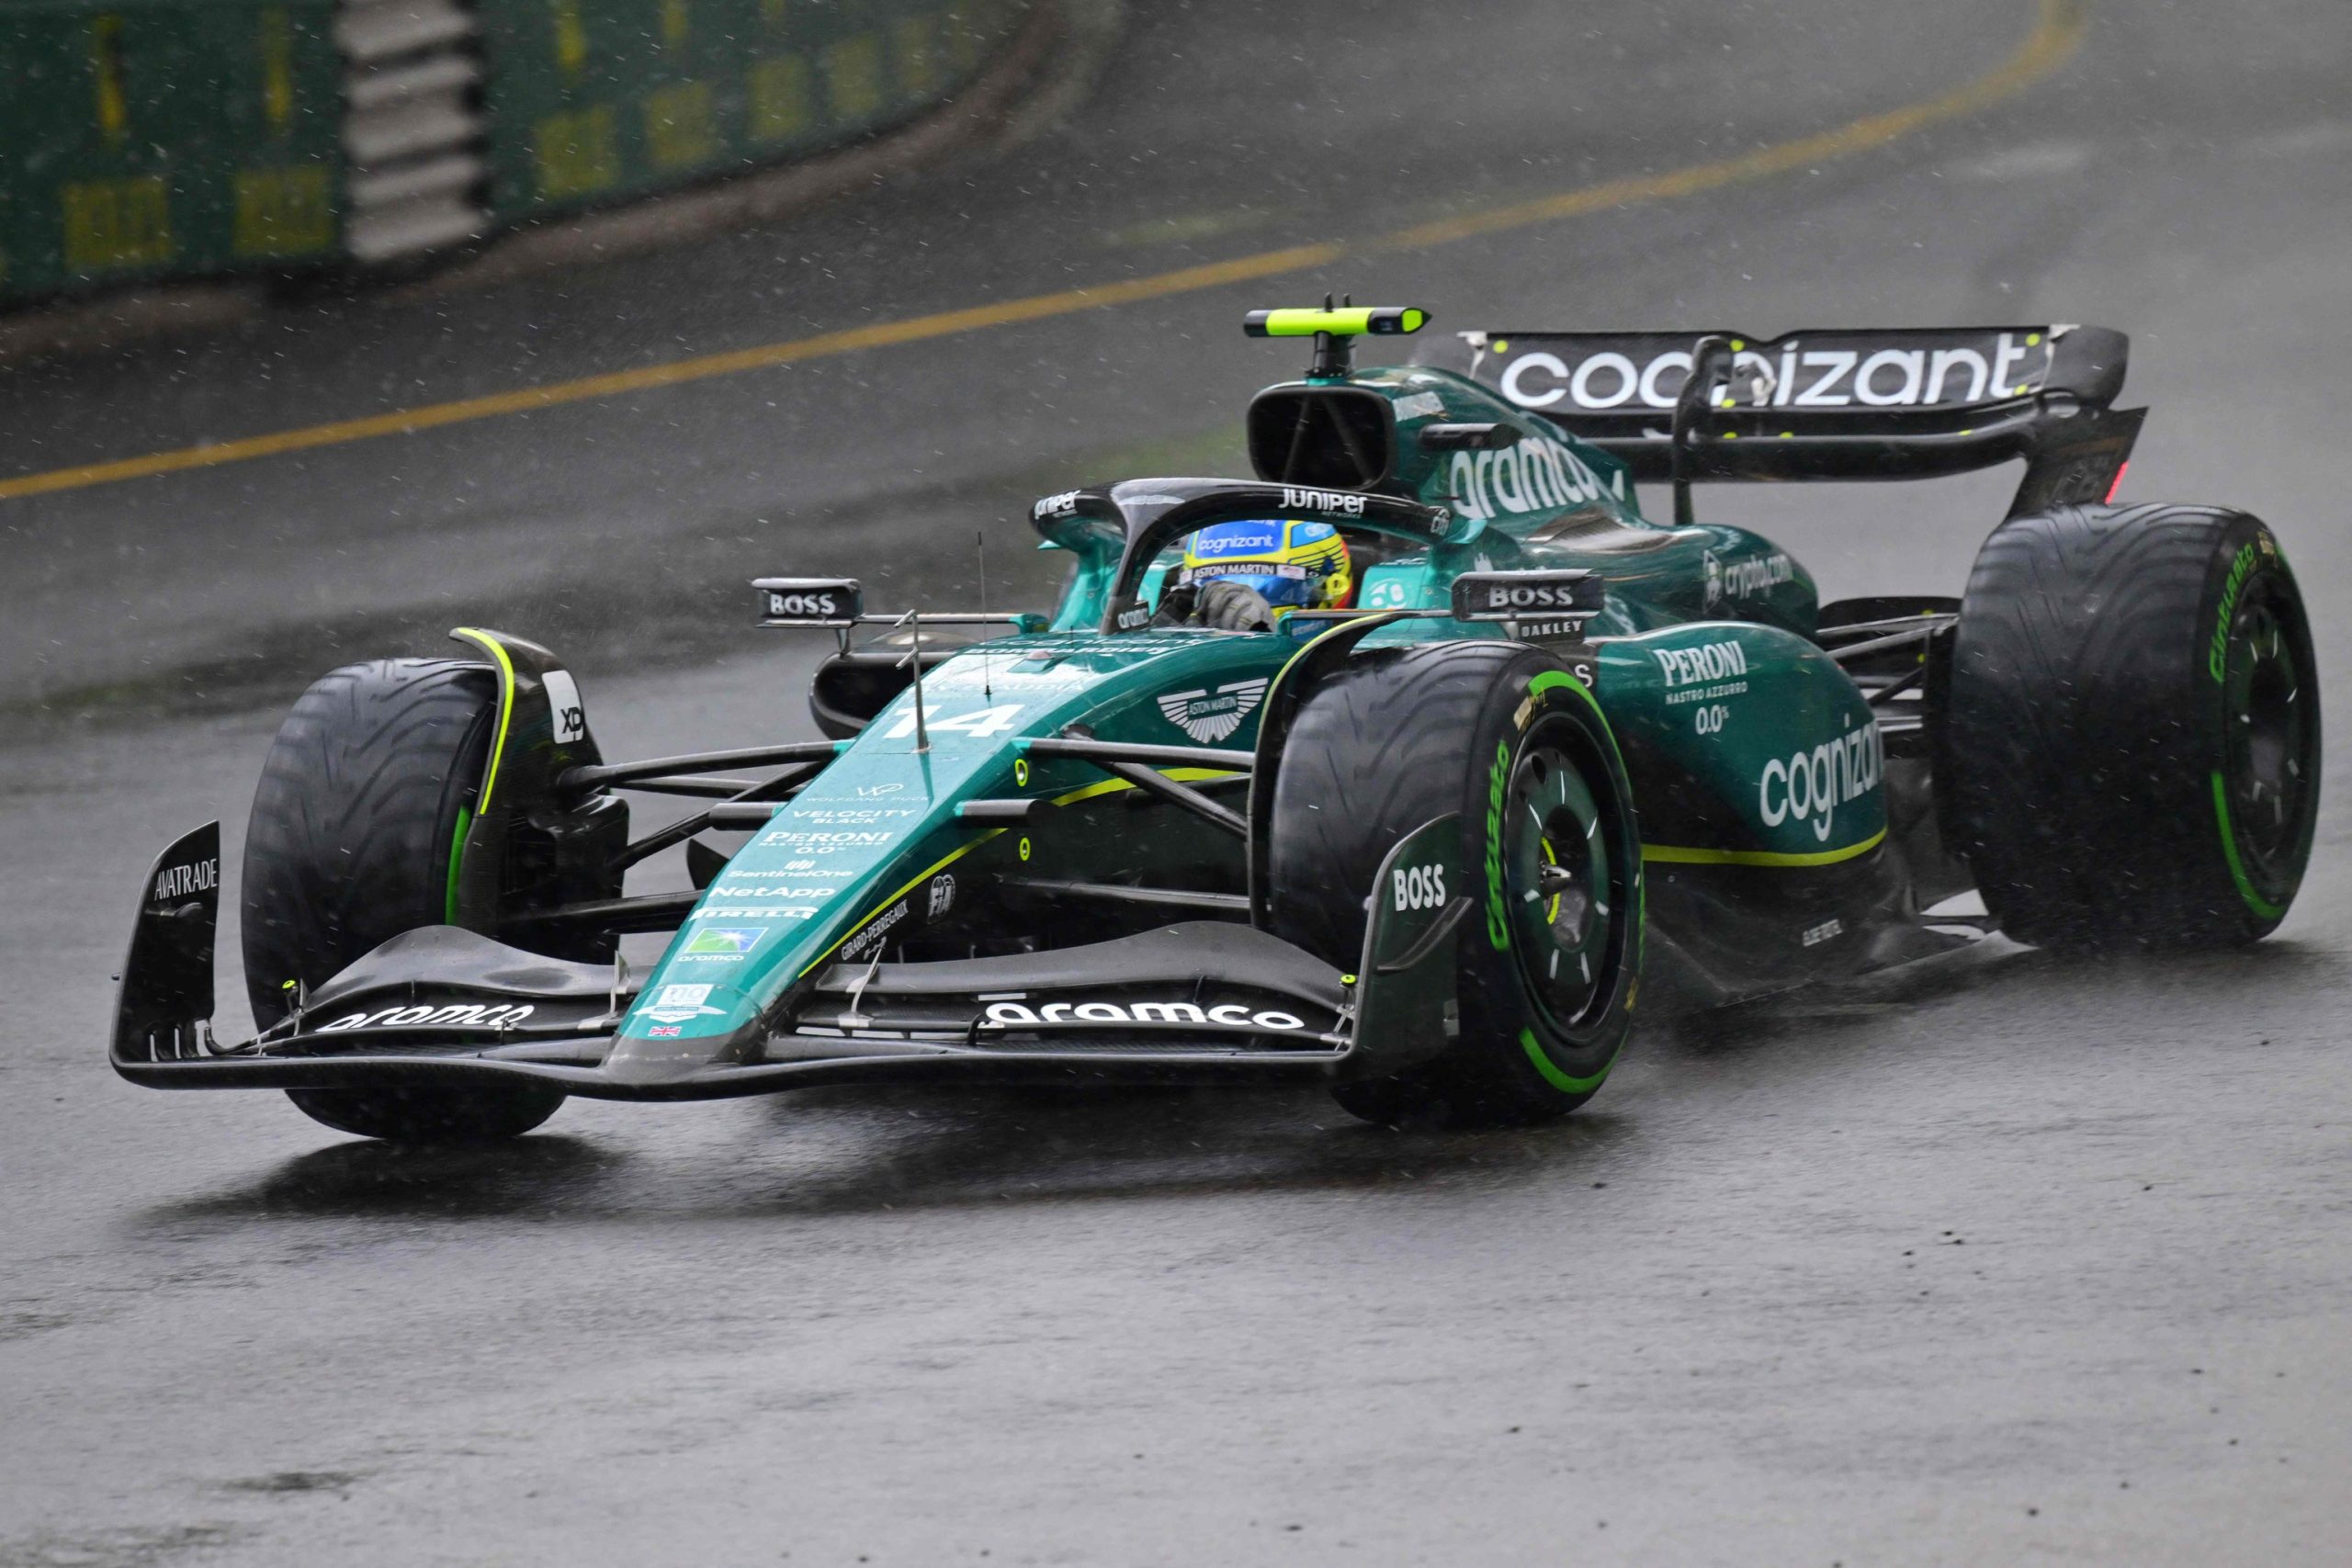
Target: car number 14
[981, 725]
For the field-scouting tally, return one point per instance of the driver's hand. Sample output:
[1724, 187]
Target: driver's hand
[1219, 605]
[1176, 607]
[1230, 607]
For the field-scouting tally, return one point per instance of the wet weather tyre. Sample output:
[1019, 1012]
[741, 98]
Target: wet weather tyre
[1550, 951]
[2130, 757]
[358, 810]
[425, 1113]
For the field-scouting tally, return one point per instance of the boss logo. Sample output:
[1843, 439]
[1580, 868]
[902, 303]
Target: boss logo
[1502, 595]
[1529, 596]
[1418, 887]
[790, 599]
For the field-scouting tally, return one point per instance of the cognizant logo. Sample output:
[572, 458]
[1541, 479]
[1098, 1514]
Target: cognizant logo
[1811, 785]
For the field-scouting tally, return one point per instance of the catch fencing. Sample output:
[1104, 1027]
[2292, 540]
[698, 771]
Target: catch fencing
[152, 139]
[170, 137]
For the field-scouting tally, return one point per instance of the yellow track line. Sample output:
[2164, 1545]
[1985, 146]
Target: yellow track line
[405, 421]
[2057, 35]
[2057, 32]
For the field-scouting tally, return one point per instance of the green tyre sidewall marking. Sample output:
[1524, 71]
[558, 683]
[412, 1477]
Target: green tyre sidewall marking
[456, 861]
[2256, 570]
[2253, 900]
[1552, 1073]
[1577, 1066]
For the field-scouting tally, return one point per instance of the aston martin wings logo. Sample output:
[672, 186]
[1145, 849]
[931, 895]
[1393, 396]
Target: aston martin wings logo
[1209, 717]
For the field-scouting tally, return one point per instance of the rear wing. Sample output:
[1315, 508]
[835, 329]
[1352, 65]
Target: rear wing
[1904, 404]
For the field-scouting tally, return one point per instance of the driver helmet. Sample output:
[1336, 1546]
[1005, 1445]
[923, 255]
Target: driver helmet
[1293, 565]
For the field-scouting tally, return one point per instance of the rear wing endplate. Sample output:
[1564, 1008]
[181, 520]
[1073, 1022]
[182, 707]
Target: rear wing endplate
[1903, 403]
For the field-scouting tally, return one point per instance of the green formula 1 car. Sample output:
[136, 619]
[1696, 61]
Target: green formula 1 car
[1413, 766]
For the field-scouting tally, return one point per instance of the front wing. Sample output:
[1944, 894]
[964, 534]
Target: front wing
[1193, 1002]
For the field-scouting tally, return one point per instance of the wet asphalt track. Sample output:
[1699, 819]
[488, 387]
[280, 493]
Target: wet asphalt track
[2026, 1260]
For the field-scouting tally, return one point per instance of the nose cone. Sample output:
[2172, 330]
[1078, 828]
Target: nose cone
[678, 1027]
[636, 1060]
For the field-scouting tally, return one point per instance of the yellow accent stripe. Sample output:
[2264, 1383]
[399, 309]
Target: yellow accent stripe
[1112, 786]
[2058, 31]
[883, 907]
[505, 709]
[1675, 854]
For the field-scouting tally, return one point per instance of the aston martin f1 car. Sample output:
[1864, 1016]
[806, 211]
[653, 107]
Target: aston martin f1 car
[1525, 759]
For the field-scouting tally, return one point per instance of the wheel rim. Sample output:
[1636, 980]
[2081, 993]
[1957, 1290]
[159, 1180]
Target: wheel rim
[2273, 712]
[1561, 884]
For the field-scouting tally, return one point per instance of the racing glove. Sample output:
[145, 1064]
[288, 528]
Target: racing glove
[1218, 606]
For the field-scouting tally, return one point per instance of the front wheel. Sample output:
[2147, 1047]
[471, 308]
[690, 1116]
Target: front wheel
[425, 1114]
[2131, 751]
[1550, 957]
[362, 805]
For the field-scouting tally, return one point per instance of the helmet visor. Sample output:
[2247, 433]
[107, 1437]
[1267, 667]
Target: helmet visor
[1283, 587]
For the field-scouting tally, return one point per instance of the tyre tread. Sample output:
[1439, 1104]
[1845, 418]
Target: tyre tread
[348, 842]
[2078, 741]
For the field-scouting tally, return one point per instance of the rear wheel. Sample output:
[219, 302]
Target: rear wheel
[1550, 955]
[367, 793]
[2132, 754]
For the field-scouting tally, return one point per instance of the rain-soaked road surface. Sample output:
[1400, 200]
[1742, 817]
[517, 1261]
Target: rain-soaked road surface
[2024, 1260]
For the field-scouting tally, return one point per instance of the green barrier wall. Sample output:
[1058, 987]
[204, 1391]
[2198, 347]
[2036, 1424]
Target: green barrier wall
[593, 100]
[167, 137]
[146, 139]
